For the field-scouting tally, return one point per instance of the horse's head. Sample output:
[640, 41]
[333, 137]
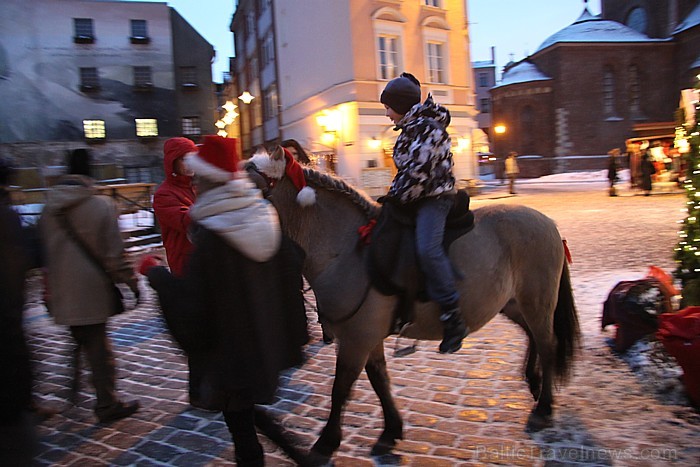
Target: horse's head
[280, 164]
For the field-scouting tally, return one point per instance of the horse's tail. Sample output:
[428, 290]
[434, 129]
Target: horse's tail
[566, 326]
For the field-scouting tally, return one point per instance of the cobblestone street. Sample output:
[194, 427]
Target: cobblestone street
[468, 408]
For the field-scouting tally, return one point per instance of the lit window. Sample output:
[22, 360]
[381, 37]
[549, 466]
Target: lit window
[188, 75]
[94, 129]
[89, 79]
[388, 57]
[142, 77]
[436, 71]
[146, 127]
[191, 126]
[83, 31]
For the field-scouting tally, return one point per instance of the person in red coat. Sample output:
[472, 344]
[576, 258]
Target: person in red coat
[172, 201]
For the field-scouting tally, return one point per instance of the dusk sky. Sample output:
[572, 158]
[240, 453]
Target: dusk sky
[515, 27]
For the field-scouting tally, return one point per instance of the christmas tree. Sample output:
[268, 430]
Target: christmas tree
[687, 252]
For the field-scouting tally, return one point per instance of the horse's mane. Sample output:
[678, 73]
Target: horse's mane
[335, 184]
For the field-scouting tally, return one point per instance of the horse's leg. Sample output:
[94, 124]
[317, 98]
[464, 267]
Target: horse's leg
[379, 378]
[532, 374]
[349, 363]
[541, 415]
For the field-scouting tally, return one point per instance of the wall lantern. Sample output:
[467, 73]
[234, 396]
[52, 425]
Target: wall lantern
[246, 97]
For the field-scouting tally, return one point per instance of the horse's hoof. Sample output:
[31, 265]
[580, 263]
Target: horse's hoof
[316, 459]
[537, 422]
[382, 448]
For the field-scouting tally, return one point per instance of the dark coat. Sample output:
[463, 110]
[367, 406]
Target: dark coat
[647, 169]
[612, 170]
[15, 390]
[239, 321]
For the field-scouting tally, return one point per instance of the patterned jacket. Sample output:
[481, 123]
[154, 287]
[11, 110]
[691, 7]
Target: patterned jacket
[422, 154]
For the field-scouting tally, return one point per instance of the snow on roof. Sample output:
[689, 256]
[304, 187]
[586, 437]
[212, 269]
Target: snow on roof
[483, 64]
[590, 28]
[522, 72]
[693, 19]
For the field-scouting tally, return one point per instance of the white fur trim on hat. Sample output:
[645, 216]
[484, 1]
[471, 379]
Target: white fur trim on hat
[306, 196]
[204, 169]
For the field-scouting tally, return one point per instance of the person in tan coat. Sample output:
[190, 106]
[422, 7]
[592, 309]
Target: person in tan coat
[81, 292]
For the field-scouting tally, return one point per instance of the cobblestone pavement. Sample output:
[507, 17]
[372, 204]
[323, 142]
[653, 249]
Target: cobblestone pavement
[468, 408]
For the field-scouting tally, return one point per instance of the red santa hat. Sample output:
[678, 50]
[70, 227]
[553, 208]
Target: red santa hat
[294, 171]
[216, 159]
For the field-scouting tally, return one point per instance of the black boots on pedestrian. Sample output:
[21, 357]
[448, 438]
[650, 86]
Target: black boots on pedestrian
[116, 411]
[454, 330]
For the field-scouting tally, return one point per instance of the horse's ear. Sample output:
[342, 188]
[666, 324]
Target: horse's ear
[277, 154]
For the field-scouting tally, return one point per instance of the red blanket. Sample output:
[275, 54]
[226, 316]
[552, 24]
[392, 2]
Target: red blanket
[680, 335]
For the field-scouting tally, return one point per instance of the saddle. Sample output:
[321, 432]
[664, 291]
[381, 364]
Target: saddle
[391, 257]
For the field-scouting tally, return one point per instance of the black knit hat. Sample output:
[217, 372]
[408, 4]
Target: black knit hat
[401, 93]
[79, 162]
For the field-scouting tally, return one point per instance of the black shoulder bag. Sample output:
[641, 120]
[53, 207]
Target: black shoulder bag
[117, 296]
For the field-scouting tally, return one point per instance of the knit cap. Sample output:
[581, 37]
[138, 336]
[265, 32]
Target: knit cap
[401, 93]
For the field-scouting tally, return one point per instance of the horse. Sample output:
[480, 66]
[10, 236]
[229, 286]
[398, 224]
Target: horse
[513, 261]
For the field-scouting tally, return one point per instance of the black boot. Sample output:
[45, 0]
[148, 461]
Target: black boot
[454, 330]
[248, 451]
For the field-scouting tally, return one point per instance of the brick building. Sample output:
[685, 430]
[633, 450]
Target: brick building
[590, 85]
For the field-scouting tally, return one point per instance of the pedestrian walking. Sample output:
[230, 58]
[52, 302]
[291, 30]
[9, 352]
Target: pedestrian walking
[236, 312]
[647, 169]
[512, 170]
[613, 168]
[17, 431]
[424, 183]
[171, 206]
[85, 258]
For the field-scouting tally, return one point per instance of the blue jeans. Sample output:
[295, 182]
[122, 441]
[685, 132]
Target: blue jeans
[432, 257]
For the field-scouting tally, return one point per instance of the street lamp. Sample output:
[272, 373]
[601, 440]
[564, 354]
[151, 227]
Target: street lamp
[499, 129]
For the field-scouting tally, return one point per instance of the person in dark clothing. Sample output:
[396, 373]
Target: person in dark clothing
[17, 434]
[647, 169]
[424, 180]
[612, 170]
[237, 312]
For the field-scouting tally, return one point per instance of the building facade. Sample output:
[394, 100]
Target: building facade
[589, 86]
[317, 69]
[117, 76]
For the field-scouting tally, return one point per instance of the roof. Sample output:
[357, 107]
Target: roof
[692, 20]
[590, 28]
[483, 64]
[522, 72]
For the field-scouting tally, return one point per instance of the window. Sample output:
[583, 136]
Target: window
[139, 31]
[483, 80]
[143, 77]
[436, 72]
[89, 79]
[83, 31]
[608, 92]
[191, 126]
[94, 129]
[634, 91]
[268, 50]
[146, 127]
[637, 20]
[485, 106]
[388, 57]
[435, 3]
[188, 76]
[270, 105]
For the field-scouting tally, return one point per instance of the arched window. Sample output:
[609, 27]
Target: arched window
[634, 91]
[608, 91]
[637, 20]
[528, 130]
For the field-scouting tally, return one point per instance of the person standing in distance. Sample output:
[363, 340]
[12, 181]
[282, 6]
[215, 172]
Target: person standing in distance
[424, 181]
[512, 171]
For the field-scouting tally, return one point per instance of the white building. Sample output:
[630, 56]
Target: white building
[318, 67]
